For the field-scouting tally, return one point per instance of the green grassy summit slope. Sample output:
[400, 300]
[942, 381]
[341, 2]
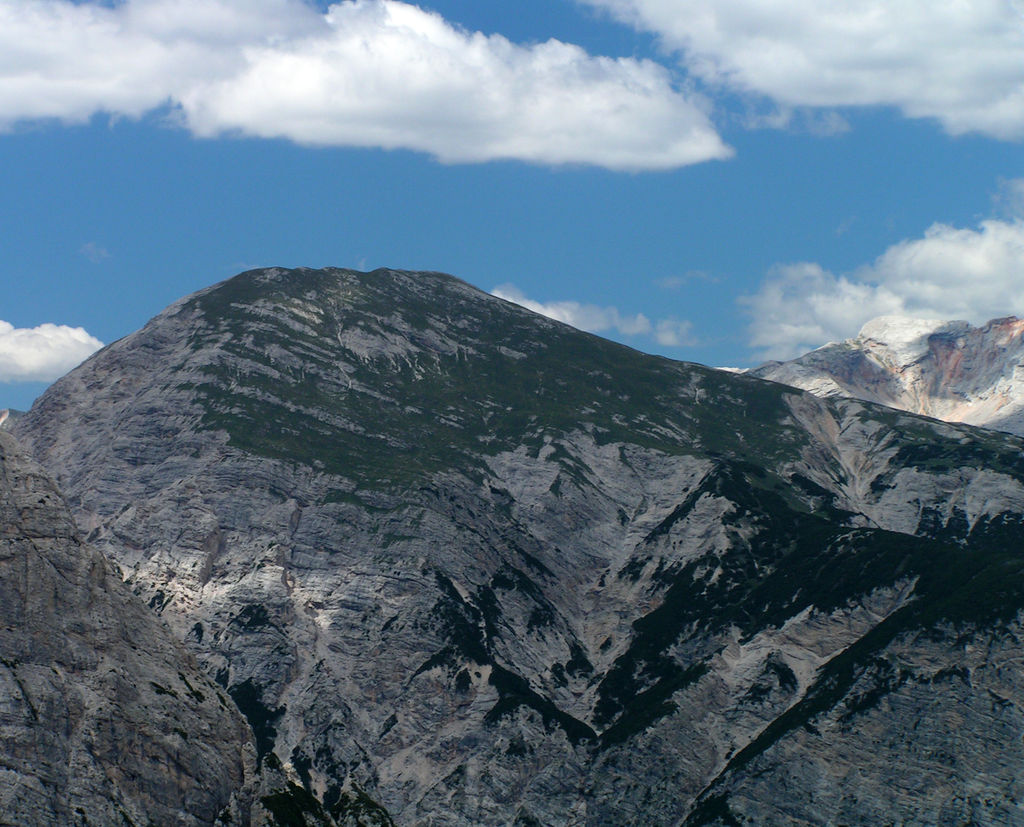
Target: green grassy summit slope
[442, 373]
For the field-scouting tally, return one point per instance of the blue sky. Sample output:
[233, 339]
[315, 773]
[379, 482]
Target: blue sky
[721, 182]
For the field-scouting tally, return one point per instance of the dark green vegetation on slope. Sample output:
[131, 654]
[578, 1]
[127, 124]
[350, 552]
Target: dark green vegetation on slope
[479, 377]
[956, 593]
[783, 561]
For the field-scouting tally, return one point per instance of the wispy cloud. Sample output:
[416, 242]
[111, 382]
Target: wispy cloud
[94, 252]
[690, 276]
[1009, 199]
[959, 63]
[43, 353]
[367, 73]
[596, 319]
[845, 226]
[674, 333]
[950, 272]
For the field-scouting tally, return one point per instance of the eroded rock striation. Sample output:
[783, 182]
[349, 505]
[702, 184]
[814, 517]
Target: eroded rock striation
[104, 717]
[947, 370]
[459, 564]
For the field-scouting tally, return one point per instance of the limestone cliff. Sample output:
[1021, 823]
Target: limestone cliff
[104, 718]
[947, 370]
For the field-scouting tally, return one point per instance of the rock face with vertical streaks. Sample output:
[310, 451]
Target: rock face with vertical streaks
[104, 718]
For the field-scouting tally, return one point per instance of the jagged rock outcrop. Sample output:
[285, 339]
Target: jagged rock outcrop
[459, 564]
[946, 370]
[104, 717]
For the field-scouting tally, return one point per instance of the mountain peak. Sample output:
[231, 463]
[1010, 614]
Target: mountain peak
[949, 370]
[456, 562]
[906, 339]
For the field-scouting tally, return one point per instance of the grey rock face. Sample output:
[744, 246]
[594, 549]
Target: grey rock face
[104, 718]
[458, 564]
[8, 417]
[929, 735]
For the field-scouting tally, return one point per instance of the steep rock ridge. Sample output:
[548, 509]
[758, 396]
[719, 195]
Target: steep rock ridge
[461, 564]
[946, 370]
[104, 718]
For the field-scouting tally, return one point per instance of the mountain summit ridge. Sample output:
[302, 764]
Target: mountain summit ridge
[460, 564]
[949, 370]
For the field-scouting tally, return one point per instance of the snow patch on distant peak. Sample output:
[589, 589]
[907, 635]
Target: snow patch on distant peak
[907, 338]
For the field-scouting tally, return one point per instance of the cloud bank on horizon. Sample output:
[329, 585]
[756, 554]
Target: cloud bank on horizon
[366, 73]
[595, 319]
[43, 353]
[949, 273]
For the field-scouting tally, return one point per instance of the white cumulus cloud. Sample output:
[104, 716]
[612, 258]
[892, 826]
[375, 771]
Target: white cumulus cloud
[43, 353]
[949, 273]
[369, 73]
[802, 306]
[596, 319]
[959, 62]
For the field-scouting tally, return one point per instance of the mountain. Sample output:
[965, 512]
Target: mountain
[947, 370]
[460, 564]
[8, 416]
[104, 718]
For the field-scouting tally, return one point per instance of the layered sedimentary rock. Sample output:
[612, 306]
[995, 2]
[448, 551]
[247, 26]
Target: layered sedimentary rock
[946, 370]
[460, 564]
[104, 717]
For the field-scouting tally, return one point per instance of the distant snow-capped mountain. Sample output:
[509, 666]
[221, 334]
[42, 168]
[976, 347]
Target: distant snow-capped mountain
[949, 370]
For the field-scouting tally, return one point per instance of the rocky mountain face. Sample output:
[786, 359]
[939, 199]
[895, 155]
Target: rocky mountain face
[946, 370]
[459, 564]
[104, 718]
[8, 416]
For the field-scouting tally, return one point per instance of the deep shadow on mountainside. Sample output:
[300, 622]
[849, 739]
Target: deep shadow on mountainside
[459, 564]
